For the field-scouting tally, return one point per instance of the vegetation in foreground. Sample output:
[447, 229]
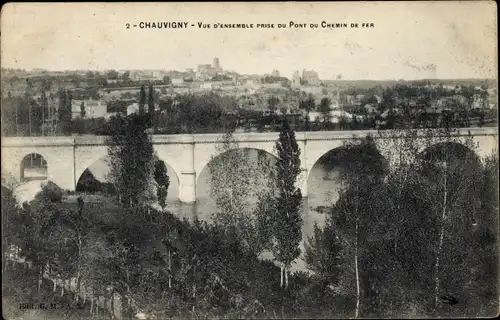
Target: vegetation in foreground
[416, 220]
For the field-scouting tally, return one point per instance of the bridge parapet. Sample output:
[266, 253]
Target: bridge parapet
[89, 140]
[37, 141]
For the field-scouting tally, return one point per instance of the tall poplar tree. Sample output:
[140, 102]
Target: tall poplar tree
[61, 112]
[151, 104]
[142, 100]
[132, 159]
[163, 181]
[282, 213]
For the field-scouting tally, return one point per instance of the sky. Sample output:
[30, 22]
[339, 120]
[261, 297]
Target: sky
[458, 38]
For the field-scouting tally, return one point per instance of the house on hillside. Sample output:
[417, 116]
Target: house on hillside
[93, 108]
[134, 108]
[335, 116]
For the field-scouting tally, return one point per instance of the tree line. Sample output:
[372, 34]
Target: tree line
[413, 228]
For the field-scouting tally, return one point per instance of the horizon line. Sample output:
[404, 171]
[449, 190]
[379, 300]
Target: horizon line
[232, 71]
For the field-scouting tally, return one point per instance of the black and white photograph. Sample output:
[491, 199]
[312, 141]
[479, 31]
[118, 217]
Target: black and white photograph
[257, 160]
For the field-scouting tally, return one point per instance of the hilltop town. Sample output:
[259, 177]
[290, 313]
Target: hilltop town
[39, 102]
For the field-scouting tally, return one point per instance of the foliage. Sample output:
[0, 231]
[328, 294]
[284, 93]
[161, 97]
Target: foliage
[151, 103]
[324, 108]
[142, 100]
[82, 110]
[234, 185]
[162, 180]
[50, 192]
[323, 254]
[278, 211]
[131, 155]
[389, 217]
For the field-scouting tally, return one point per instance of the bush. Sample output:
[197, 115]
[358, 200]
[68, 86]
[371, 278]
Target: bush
[50, 192]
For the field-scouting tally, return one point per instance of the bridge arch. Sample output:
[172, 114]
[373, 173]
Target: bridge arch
[33, 167]
[452, 150]
[205, 153]
[462, 167]
[257, 157]
[98, 170]
[324, 180]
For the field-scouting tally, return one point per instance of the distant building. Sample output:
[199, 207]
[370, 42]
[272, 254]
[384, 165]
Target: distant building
[335, 116]
[190, 74]
[134, 108]
[146, 75]
[110, 81]
[216, 64]
[158, 75]
[311, 77]
[93, 108]
[275, 73]
[204, 67]
[314, 90]
[207, 71]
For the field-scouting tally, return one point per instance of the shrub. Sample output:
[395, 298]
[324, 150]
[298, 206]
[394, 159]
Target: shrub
[50, 192]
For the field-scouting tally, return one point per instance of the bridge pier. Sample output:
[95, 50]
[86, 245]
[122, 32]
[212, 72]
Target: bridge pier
[187, 186]
[187, 178]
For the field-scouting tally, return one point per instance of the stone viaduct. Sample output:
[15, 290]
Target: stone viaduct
[68, 157]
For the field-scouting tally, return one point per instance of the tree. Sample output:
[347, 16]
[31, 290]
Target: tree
[163, 181]
[36, 116]
[126, 76]
[308, 105]
[131, 159]
[484, 94]
[62, 113]
[142, 100]
[323, 253]
[82, 110]
[89, 75]
[10, 224]
[112, 75]
[324, 108]
[151, 104]
[44, 105]
[65, 116]
[361, 175]
[451, 175]
[283, 213]
[284, 110]
[234, 183]
[485, 248]
[431, 233]
[272, 104]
